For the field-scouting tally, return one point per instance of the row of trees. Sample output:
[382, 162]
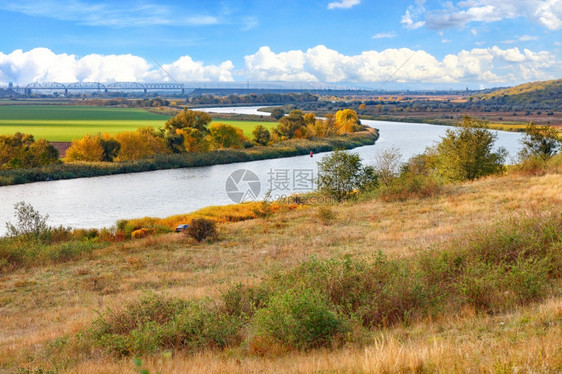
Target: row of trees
[189, 131]
[192, 131]
[266, 98]
[304, 126]
[22, 151]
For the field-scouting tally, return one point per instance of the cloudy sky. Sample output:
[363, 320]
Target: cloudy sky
[475, 43]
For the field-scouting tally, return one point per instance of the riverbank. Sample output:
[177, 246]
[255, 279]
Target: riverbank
[289, 148]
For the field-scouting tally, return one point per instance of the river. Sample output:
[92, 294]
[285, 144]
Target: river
[100, 201]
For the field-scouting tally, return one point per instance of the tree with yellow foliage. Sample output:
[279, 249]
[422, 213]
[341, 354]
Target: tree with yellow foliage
[89, 149]
[346, 121]
[143, 143]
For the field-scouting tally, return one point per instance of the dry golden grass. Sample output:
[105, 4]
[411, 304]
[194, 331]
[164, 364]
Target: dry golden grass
[40, 304]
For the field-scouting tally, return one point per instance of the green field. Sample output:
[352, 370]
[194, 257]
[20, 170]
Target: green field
[63, 123]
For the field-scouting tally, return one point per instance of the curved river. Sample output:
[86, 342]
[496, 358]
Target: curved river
[101, 201]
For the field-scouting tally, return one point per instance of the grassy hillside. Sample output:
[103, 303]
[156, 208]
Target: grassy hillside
[547, 93]
[63, 123]
[47, 311]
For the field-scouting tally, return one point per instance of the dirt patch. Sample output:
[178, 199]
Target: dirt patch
[62, 147]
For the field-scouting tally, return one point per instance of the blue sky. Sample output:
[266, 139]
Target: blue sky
[442, 43]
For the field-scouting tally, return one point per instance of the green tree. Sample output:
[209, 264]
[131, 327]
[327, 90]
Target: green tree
[277, 113]
[341, 172]
[261, 135]
[110, 147]
[466, 152]
[289, 125]
[540, 141]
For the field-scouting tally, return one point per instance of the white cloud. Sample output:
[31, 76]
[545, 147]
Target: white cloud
[115, 14]
[43, 65]
[547, 13]
[402, 65]
[526, 38]
[317, 64]
[410, 19]
[343, 4]
[384, 35]
[265, 65]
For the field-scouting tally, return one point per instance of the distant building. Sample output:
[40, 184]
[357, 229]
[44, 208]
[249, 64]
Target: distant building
[10, 85]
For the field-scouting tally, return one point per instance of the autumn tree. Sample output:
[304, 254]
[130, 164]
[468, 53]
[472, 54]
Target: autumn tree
[290, 125]
[347, 121]
[226, 136]
[189, 119]
[186, 132]
[22, 151]
[326, 127]
[143, 143]
[261, 135]
[88, 149]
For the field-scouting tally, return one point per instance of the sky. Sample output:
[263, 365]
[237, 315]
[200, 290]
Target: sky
[363, 43]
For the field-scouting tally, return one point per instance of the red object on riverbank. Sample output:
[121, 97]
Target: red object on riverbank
[310, 153]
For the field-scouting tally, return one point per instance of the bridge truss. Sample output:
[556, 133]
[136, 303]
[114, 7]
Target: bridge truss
[106, 87]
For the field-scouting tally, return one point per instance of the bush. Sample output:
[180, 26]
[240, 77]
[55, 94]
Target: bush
[156, 322]
[465, 153]
[299, 320]
[340, 173]
[30, 223]
[201, 229]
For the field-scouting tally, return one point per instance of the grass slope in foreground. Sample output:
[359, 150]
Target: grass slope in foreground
[45, 307]
[63, 123]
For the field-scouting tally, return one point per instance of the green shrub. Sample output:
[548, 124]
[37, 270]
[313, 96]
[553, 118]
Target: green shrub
[156, 322]
[201, 229]
[299, 319]
[342, 173]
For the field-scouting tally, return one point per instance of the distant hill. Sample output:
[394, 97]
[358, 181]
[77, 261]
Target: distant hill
[544, 94]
